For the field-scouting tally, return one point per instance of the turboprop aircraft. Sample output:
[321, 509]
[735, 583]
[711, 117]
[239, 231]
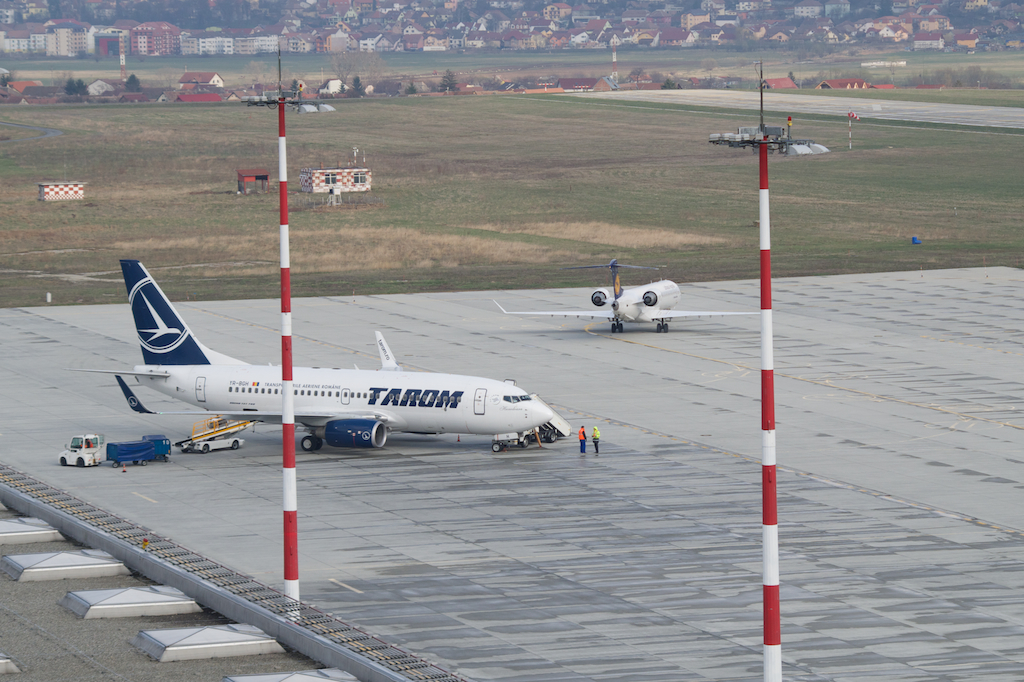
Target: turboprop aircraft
[648, 303]
[342, 407]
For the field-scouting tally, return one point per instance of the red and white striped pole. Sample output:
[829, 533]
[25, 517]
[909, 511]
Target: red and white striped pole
[291, 497]
[769, 506]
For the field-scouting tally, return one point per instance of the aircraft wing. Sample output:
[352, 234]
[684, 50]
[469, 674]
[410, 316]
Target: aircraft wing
[149, 373]
[601, 314]
[690, 313]
[262, 416]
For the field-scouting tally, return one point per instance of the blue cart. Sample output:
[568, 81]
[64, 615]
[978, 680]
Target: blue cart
[135, 451]
[161, 445]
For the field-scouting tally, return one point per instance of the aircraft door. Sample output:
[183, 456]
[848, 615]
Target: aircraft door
[346, 395]
[201, 389]
[480, 401]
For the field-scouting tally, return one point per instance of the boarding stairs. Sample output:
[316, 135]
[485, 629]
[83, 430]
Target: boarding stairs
[558, 427]
[213, 428]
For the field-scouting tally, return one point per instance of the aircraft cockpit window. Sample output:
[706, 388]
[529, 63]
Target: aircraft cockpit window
[525, 397]
[512, 399]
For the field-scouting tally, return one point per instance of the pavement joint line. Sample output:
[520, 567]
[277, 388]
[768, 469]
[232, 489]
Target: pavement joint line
[797, 472]
[374, 657]
[970, 345]
[405, 367]
[826, 383]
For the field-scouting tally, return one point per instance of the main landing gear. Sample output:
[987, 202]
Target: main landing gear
[662, 327]
[311, 443]
[616, 327]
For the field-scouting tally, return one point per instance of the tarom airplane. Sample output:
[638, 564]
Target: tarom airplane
[648, 303]
[342, 407]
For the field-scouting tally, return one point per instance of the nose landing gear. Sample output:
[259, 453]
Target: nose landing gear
[616, 327]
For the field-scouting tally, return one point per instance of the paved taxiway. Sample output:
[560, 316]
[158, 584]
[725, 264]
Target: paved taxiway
[899, 444]
[922, 112]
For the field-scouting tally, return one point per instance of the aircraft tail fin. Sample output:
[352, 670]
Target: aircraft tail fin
[614, 266]
[387, 358]
[163, 335]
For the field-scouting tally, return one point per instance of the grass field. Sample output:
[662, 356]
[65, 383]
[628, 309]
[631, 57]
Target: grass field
[481, 193]
[679, 63]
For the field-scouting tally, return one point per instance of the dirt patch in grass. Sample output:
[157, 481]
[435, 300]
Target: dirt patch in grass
[612, 235]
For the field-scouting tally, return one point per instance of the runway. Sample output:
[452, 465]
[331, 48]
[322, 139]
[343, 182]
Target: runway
[899, 445]
[793, 104]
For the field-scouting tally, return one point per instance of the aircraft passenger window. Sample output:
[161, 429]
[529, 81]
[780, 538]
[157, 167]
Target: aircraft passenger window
[275, 391]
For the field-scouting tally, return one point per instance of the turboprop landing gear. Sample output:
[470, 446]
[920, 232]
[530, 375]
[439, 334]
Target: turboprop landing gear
[662, 327]
[616, 327]
[311, 443]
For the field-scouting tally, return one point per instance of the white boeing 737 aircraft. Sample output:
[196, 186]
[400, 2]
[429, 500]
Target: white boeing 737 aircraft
[648, 303]
[342, 407]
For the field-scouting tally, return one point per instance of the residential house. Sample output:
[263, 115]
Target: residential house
[688, 21]
[843, 84]
[515, 40]
[780, 84]
[16, 41]
[201, 79]
[928, 40]
[337, 41]
[837, 8]
[712, 7]
[410, 42]
[581, 14]
[647, 37]
[67, 39]
[675, 37]
[559, 40]
[331, 86]
[807, 9]
[104, 86]
[557, 11]
[577, 84]
[435, 42]
[155, 38]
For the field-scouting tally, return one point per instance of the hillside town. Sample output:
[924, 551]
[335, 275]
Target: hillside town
[100, 27]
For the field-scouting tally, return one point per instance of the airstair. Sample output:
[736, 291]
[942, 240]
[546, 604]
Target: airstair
[212, 429]
[558, 427]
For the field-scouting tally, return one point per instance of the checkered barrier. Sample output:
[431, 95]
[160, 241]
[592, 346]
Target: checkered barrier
[64, 191]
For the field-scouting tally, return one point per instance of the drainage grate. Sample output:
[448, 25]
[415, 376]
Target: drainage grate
[302, 615]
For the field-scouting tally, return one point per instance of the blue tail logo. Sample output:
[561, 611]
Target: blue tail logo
[614, 266]
[163, 335]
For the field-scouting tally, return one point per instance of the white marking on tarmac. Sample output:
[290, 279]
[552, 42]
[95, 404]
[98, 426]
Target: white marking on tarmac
[347, 587]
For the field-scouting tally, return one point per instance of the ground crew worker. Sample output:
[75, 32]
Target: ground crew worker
[583, 440]
[596, 439]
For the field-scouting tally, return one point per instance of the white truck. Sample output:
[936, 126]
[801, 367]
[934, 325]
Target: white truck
[86, 450]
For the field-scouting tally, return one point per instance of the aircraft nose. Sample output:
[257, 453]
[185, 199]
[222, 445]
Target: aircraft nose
[542, 414]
